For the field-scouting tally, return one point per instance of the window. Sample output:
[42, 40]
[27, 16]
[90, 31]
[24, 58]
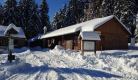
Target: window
[2, 42]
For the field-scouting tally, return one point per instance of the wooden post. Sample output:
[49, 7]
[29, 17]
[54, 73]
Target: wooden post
[82, 47]
[101, 49]
[10, 55]
[95, 47]
[8, 44]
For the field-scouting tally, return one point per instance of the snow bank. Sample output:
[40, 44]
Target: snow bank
[58, 47]
[17, 50]
[136, 44]
[60, 64]
[17, 66]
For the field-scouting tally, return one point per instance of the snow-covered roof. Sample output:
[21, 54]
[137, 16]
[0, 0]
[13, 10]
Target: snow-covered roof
[35, 38]
[85, 26]
[89, 35]
[3, 29]
[11, 26]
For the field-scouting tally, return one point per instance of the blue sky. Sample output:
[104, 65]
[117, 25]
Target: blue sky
[54, 5]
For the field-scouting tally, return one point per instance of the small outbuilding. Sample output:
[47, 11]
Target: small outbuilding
[19, 39]
[107, 33]
[35, 41]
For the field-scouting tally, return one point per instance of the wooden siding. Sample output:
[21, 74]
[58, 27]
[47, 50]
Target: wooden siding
[20, 43]
[75, 44]
[113, 36]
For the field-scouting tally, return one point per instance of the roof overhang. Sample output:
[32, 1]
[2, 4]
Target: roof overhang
[11, 29]
[85, 26]
[89, 35]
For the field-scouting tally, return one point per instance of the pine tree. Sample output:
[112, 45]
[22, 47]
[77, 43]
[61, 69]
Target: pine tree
[44, 9]
[63, 15]
[134, 7]
[10, 12]
[55, 22]
[35, 21]
[110, 7]
[20, 10]
[1, 15]
[81, 7]
[27, 10]
[72, 13]
[58, 19]
[94, 10]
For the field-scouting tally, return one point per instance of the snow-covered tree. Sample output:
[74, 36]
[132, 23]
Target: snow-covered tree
[55, 21]
[73, 13]
[1, 15]
[136, 32]
[44, 9]
[28, 17]
[81, 7]
[95, 9]
[10, 12]
[110, 7]
[35, 21]
[58, 19]
[63, 14]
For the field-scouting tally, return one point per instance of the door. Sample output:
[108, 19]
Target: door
[68, 44]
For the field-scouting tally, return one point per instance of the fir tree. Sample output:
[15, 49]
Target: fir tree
[35, 21]
[10, 12]
[58, 19]
[44, 9]
[110, 7]
[72, 13]
[55, 22]
[27, 10]
[81, 7]
[63, 15]
[1, 15]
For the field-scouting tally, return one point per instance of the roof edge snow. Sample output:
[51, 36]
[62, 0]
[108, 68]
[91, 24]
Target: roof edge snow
[85, 26]
[89, 35]
[10, 27]
[123, 25]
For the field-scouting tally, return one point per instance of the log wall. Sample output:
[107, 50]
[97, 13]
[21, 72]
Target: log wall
[113, 36]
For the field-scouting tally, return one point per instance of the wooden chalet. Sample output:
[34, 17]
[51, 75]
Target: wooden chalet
[112, 34]
[19, 39]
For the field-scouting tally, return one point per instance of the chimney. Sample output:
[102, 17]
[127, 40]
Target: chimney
[45, 30]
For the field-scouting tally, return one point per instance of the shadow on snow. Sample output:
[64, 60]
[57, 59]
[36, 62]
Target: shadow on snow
[59, 71]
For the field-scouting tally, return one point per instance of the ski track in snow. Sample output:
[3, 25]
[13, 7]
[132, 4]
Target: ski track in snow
[56, 64]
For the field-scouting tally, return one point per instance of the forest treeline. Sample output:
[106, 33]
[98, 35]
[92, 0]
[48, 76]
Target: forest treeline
[33, 17]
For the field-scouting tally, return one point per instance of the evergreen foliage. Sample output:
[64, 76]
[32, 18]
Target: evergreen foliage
[1, 14]
[10, 14]
[58, 19]
[44, 9]
[32, 17]
[26, 14]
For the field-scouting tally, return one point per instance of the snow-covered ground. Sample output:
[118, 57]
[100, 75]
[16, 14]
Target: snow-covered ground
[60, 64]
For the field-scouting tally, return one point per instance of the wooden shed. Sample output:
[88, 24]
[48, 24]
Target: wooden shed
[112, 32]
[19, 39]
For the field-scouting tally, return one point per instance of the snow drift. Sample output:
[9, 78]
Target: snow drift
[61, 64]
